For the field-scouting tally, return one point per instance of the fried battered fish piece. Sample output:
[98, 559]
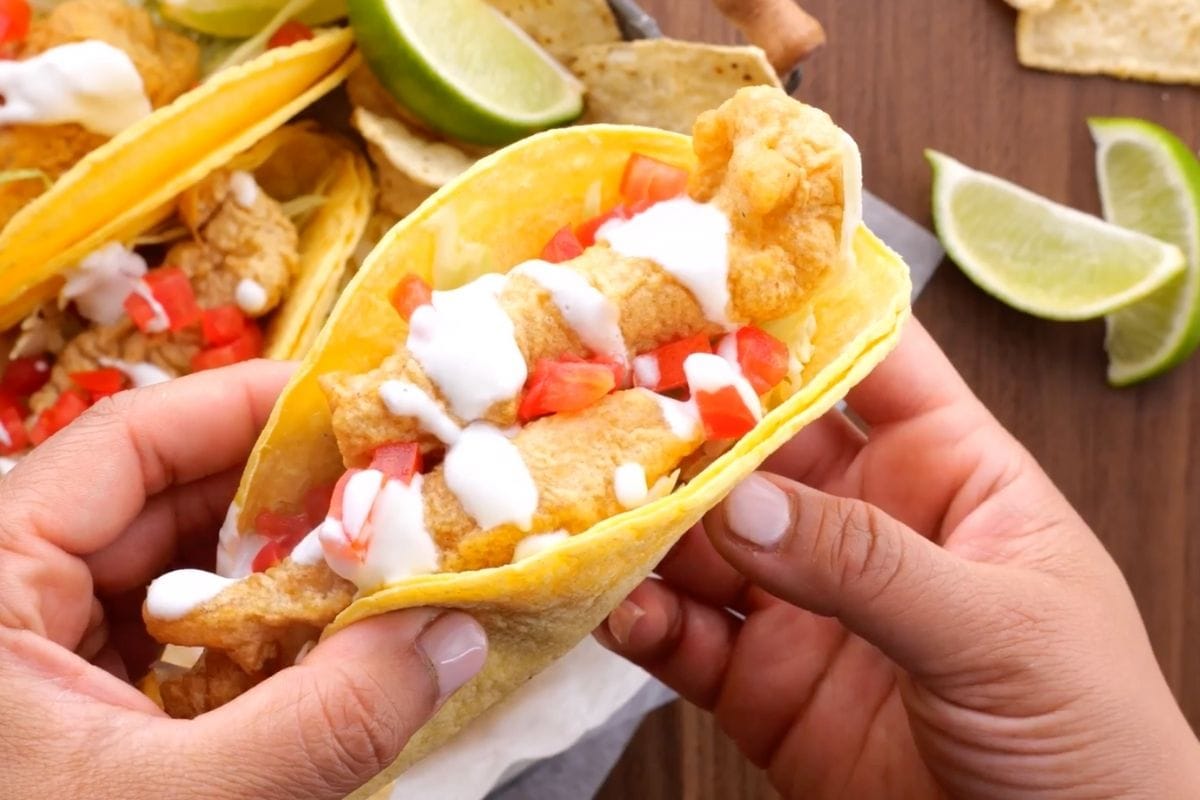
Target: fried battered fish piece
[168, 63]
[239, 233]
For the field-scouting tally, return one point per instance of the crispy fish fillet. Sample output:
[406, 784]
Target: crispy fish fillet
[168, 63]
[775, 167]
[234, 241]
[571, 458]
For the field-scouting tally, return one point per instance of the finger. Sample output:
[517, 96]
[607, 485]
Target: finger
[693, 567]
[682, 642]
[845, 558]
[179, 514]
[821, 453]
[151, 438]
[325, 727]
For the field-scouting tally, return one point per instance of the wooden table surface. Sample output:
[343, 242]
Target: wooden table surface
[903, 76]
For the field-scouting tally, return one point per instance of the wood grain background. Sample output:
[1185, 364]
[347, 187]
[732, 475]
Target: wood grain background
[904, 75]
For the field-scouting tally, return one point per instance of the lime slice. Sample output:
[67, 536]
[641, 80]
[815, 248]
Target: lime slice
[1150, 182]
[464, 68]
[239, 19]
[1038, 256]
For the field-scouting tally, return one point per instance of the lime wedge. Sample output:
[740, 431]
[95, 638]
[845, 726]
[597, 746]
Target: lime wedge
[238, 19]
[464, 68]
[1038, 256]
[1150, 182]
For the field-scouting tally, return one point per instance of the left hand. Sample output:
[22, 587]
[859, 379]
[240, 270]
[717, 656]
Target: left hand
[90, 517]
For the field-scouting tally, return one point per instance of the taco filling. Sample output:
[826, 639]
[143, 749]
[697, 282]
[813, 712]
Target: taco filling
[75, 77]
[523, 408]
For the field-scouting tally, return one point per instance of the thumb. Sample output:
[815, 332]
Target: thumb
[326, 726]
[846, 558]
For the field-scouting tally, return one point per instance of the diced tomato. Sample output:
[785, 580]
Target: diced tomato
[222, 325]
[24, 376]
[66, 408]
[411, 293]
[271, 554]
[724, 414]
[647, 181]
[14, 427]
[398, 460]
[317, 501]
[14, 20]
[284, 528]
[290, 32]
[564, 386]
[100, 382]
[243, 348]
[669, 360]
[339, 491]
[586, 232]
[563, 246]
[762, 357]
[172, 290]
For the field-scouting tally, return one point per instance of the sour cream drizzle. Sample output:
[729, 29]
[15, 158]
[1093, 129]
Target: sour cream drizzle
[308, 551]
[244, 188]
[408, 400]
[487, 475]
[161, 321]
[102, 281]
[236, 551]
[629, 484]
[592, 316]
[177, 593]
[466, 344]
[140, 373]
[90, 83]
[250, 296]
[681, 417]
[538, 543]
[707, 372]
[689, 240]
[7, 463]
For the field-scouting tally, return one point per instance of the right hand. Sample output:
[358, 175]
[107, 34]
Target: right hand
[923, 613]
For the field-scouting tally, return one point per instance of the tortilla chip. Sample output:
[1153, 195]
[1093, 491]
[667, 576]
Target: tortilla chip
[1150, 40]
[664, 83]
[562, 26]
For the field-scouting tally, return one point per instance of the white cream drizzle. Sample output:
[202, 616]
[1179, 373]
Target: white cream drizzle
[485, 472]
[140, 373]
[7, 463]
[405, 399]
[177, 593]
[161, 321]
[594, 318]
[727, 349]
[466, 344]
[308, 550]
[102, 281]
[90, 83]
[629, 485]
[250, 296]
[531, 546]
[5, 439]
[360, 493]
[235, 551]
[646, 371]
[707, 372]
[689, 240]
[244, 188]
[681, 416]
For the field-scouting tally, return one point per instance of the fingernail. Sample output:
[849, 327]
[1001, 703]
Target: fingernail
[456, 647]
[758, 512]
[622, 620]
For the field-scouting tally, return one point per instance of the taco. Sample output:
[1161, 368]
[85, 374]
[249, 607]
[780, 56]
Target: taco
[247, 261]
[106, 107]
[607, 328]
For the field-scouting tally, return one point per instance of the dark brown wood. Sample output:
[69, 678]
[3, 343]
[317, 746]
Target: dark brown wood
[904, 76]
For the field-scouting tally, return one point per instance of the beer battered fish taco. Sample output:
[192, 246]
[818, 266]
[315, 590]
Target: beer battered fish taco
[536, 383]
[245, 262]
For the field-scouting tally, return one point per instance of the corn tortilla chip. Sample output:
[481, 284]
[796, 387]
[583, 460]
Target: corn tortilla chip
[1150, 40]
[562, 26]
[664, 83]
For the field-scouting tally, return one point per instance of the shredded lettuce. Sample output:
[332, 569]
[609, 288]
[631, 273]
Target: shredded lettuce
[14, 175]
[256, 45]
[298, 208]
[160, 236]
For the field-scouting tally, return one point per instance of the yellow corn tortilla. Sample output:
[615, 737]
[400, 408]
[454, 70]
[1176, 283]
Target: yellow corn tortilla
[128, 182]
[502, 211]
[1150, 40]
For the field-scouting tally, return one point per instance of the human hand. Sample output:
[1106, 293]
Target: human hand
[916, 611]
[100, 509]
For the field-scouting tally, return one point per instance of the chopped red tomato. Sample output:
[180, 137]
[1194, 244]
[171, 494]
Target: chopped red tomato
[565, 386]
[100, 382]
[411, 293]
[647, 181]
[271, 554]
[172, 291]
[316, 502]
[666, 372]
[290, 32]
[586, 232]
[222, 325]
[284, 528]
[14, 427]
[243, 348]
[14, 20]
[66, 408]
[724, 414]
[24, 376]
[762, 357]
[562, 247]
[398, 460]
